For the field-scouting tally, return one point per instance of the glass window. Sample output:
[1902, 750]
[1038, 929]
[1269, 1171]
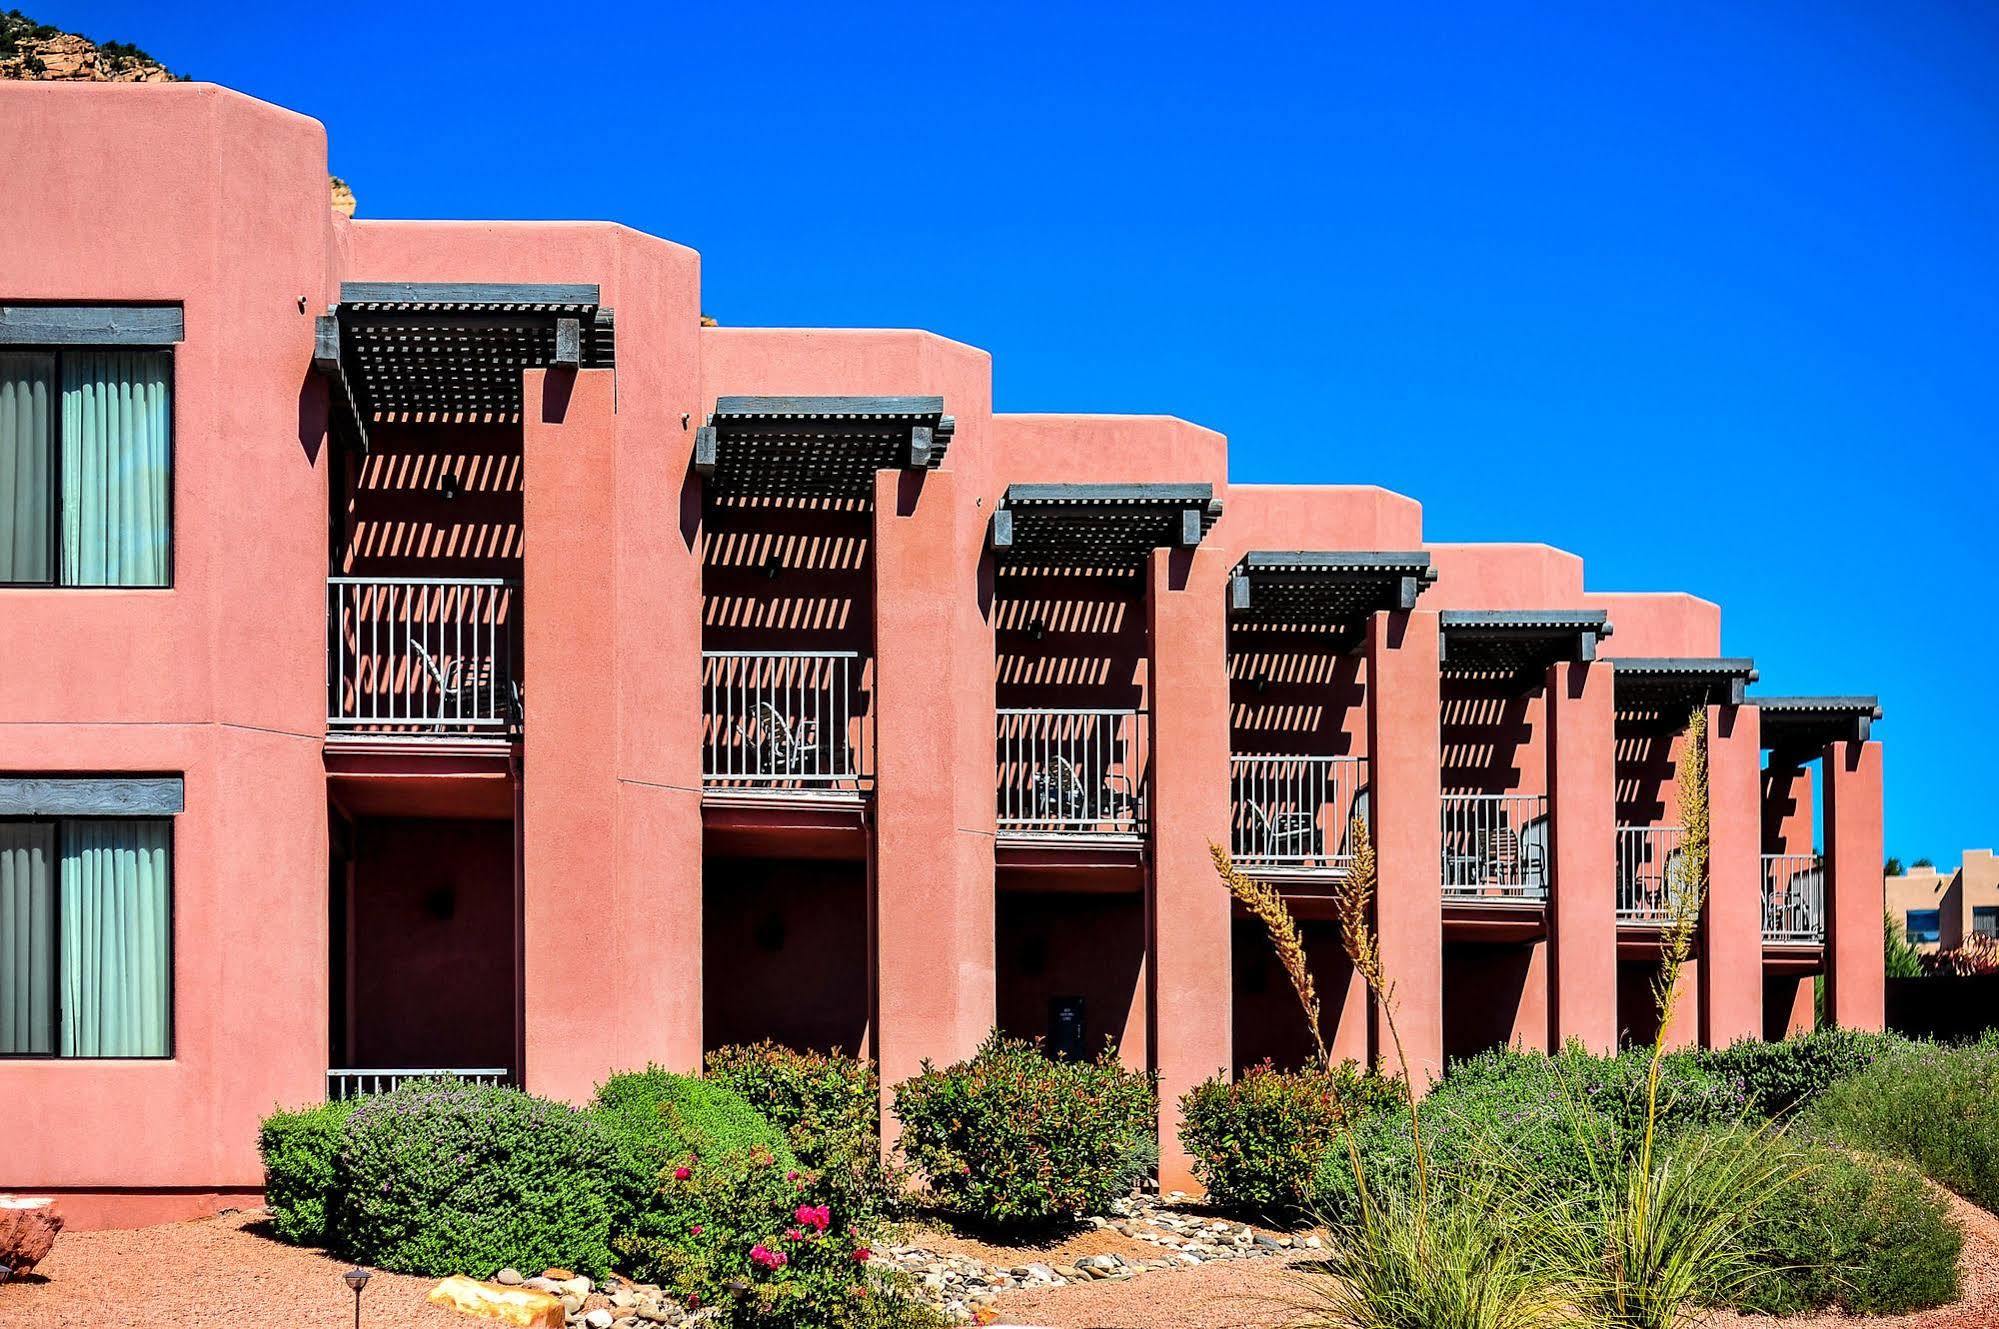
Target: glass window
[86, 940]
[86, 467]
[1985, 920]
[1923, 925]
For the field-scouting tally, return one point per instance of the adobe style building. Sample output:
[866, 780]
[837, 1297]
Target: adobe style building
[1943, 909]
[428, 647]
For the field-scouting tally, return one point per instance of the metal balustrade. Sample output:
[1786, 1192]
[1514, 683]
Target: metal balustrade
[351, 1082]
[1651, 872]
[784, 720]
[1793, 899]
[1495, 846]
[1071, 772]
[423, 656]
[1296, 812]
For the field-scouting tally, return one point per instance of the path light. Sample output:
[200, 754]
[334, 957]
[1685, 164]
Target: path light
[356, 1278]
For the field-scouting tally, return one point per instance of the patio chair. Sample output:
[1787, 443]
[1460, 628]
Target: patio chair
[1500, 863]
[778, 745]
[1282, 834]
[469, 688]
[1534, 856]
[1059, 795]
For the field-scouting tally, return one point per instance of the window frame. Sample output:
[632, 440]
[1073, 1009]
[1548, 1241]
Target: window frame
[55, 939]
[55, 351]
[1991, 912]
[1931, 936]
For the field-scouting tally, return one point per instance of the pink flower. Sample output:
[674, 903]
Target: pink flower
[682, 1174]
[794, 1235]
[791, 1176]
[863, 1255]
[814, 1216]
[694, 1231]
[768, 1258]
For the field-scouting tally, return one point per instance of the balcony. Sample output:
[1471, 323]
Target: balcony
[790, 723]
[1793, 900]
[1650, 873]
[1071, 774]
[1295, 814]
[1495, 846]
[423, 658]
[351, 1082]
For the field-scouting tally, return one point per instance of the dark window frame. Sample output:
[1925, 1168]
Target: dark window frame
[1933, 933]
[55, 940]
[54, 582]
[1991, 913]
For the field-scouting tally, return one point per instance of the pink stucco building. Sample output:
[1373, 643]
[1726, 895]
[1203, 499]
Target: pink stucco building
[427, 646]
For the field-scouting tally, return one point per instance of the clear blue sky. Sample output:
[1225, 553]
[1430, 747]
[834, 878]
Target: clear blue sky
[1708, 296]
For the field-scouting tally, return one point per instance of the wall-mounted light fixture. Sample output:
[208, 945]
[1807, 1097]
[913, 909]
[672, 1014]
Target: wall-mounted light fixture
[772, 565]
[1259, 684]
[448, 487]
[1036, 629]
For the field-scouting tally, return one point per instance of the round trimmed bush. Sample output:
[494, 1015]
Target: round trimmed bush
[301, 1152]
[1856, 1231]
[441, 1177]
[1016, 1139]
[1257, 1142]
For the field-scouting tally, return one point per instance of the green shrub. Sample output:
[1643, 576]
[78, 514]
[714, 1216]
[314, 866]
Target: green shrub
[657, 1119]
[828, 1105]
[1014, 1138]
[749, 1235]
[1779, 1078]
[441, 1177]
[1934, 1106]
[1257, 1142]
[301, 1152]
[1863, 1233]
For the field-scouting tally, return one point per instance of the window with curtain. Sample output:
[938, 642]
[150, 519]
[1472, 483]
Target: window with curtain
[86, 467]
[86, 941]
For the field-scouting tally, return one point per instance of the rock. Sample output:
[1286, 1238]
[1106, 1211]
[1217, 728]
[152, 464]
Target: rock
[508, 1278]
[577, 1284]
[571, 1303]
[540, 1284]
[521, 1306]
[598, 1319]
[28, 1229]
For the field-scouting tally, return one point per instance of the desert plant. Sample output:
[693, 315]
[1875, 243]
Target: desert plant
[441, 1177]
[1014, 1138]
[1777, 1079]
[301, 1151]
[1902, 959]
[828, 1105]
[1976, 955]
[1265, 903]
[1937, 1107]
[1258, 1143]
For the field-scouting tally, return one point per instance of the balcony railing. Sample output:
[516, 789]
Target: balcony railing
[423, 656]
[1495, 846]
[1793, 899]
[1296, 813]
[1651, 872]
[1072, 772]
[351, 1082]
[788, 721]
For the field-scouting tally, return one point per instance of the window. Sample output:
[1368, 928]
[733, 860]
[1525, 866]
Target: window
[86, 926]
[1985, 920]
[1923, 925]
[86, 466]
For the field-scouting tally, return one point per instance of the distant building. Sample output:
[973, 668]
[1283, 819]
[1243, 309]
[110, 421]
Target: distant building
[1938, 908]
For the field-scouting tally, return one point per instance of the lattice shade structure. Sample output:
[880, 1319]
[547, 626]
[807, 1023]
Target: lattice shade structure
[1678, 684]
[1522, 642]
[1078, 526]
[452, 352]
[1307, 588]
[817, 447]
[1802, 724]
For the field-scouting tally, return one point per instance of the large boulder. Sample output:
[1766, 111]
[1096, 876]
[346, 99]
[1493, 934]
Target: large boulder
[28, 1229]
[523, 1306]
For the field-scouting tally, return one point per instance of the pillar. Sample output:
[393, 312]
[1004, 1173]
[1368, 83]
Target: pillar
[1582, 914]
[1731, 997]
[1856, 962]
[1404, 747]
[932, 887]
[1188, 908]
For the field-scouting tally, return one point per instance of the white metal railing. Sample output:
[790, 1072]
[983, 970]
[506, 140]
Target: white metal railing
[784, 720]
[422, 655]
[1495, 846]
[351, 1082]
[1651, 872]
[1071, 772]
[1793, 898]
[1296, 812]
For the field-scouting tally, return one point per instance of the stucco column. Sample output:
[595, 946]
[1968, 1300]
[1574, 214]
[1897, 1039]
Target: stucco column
[1732, 939]
[1856, 965]
[933, 878]
[1404, 714]
[1188, 907]
[1582, 804]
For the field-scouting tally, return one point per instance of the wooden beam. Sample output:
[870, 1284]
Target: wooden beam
[1239, 591]
[59, 796]
[919, 445]
[91, 325]
[326, 344]
[1190, 527]
[704, 450]
[1406, 591]
[579, 294]
[1002, 532]
[568, 343]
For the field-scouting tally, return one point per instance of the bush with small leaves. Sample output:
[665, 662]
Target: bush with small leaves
[1256, 1142]
[1779, 1078]
[656, 1119]
[1936, 1107]
[828, 1105]
[301, 1152]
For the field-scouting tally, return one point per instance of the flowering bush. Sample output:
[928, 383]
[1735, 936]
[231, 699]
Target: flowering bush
[441, 1177]
[1014, 1138]
[749, 1235]
[829, 1107]
[301, 1152]
[1935, 1106]
[1976, 955]
[1779, 1078]
[1256, 1143]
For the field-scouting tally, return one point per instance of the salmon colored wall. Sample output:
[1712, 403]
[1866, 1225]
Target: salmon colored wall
[1582, 959]
[1789, 826]
[398, 525]
[1268, 1024]
[1731, 997]
[186, 193]
[1651, 625]
[1856, 972]
[1504, 576]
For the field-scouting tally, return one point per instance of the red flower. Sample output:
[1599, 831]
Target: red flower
[863, 1255]
[767, 1257]
[681, 1174]
[694, 1231]
[814, 1216]
[794, 1235]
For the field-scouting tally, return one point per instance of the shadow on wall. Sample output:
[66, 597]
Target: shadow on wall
[785, 953]
[1069, 968]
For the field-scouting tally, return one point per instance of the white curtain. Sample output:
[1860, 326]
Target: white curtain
[26, 379]
[27, 941]
[117, 420]
[115, 943]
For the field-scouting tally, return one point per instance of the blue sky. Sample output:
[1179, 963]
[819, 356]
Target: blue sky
[1709, 296]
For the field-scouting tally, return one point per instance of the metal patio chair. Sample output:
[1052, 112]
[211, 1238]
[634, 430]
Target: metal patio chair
[468, 688]
[778, 745]
[1059, 796]
[1534, 855]
[1275, 831]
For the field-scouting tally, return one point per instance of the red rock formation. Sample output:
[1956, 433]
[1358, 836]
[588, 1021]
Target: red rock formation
[27, 1230]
